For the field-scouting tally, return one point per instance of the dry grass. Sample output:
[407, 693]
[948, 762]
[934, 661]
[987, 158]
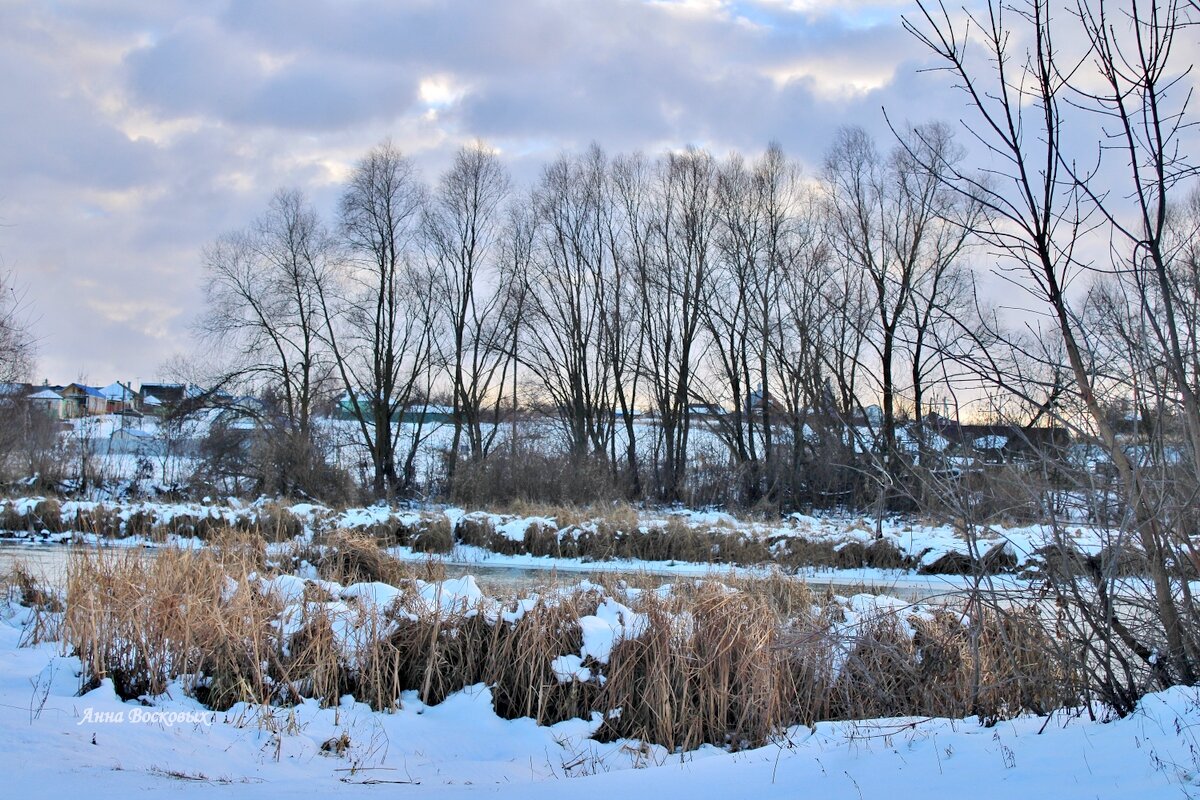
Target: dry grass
[598, 532]
[714, 675]
[350, 558]
[20, 586]
[519, 663]
[193, 615]
[729, 663]
[272, 522]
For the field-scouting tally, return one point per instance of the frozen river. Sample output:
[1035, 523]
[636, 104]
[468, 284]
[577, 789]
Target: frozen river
[48, 562]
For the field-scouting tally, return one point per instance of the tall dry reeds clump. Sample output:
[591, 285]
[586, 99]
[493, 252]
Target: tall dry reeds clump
[992, 663]
[1022, 668]
[274, 522]
[882, 675]
[349, 557]
[712, 675]
[435, 654]
[192, 615]
[520, 663]
[20, 586]
[12, 519]
[45, 515]
[101, 520]
[133, 619]
[314, 665]
[476, 530]
[435, 535]
[787, 597]
[565, 516]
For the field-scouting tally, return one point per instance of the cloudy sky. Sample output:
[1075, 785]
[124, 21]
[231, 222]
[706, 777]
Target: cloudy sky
[136, 132]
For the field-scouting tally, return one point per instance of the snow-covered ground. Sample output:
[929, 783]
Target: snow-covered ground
[59, 744]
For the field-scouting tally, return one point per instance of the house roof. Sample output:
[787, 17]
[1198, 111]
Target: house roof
[89, 391]
[117, 391]
[46, 394]
[172, 392]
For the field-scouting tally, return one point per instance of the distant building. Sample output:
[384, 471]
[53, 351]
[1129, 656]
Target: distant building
[999, 443]
[702, 411]
[132, 441]
[759, 403]
[14, 391]
[423, 413]
[48, 402]
[171, 396]
[82, 401]
[121, 398]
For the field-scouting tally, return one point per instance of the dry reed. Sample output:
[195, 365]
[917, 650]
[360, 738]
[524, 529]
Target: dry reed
[730, 665]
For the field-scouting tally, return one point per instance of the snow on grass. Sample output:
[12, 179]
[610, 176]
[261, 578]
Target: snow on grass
[454, 596]
[612, 622]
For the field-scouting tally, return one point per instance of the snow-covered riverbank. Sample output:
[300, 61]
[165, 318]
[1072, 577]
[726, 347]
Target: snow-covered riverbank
[666, 542]
[97, 746]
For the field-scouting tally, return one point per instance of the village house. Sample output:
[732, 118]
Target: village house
[49, 402]
[163, 398]
[120, 398]
[82, 401]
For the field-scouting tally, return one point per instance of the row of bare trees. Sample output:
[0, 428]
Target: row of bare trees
[772, 306]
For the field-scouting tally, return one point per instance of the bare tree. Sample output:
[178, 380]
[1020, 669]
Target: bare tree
[900, 228]
[263, 309]
[1046, 213]
[377, 312]
[463, 225]
[569, 300]
[675, 283]
[17, 341]
[737, 335]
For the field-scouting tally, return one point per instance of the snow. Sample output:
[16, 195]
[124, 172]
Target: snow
[380, 595]
[288, 588]
[96, 746]
[163, 523]
[454, 596]
[116, 391]
[570, 668]
[611, 622]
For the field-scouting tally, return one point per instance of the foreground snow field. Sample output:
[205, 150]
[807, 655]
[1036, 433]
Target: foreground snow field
[60, 744]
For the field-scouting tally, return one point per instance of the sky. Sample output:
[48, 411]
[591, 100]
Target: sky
[137, 132]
